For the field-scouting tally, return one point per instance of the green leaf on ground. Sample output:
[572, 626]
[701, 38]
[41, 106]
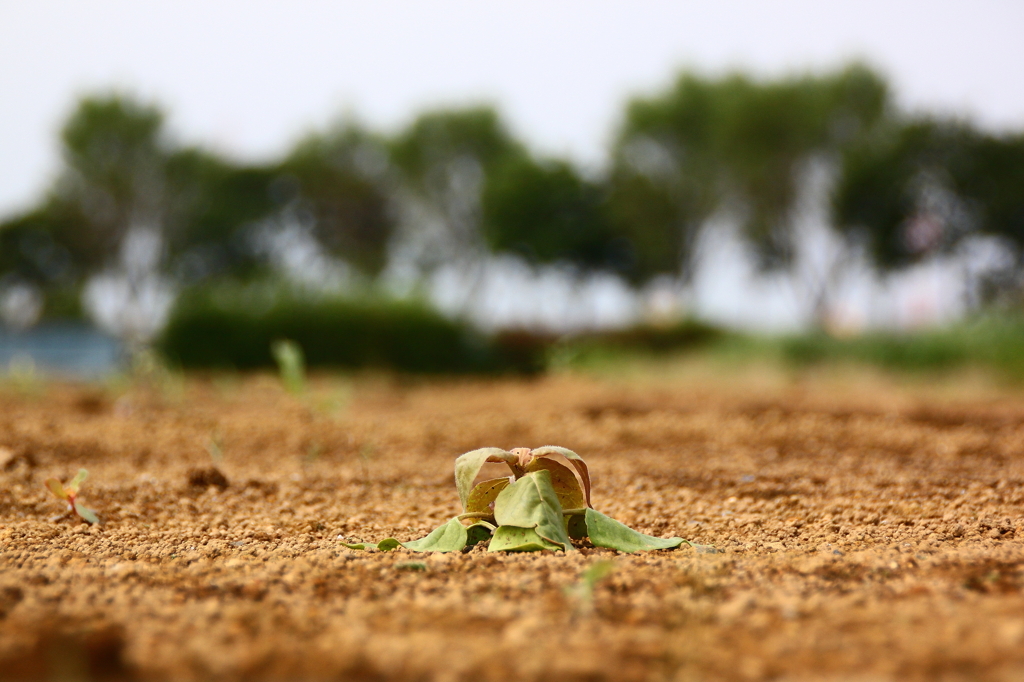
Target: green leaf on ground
[385, 545]
[411, 566]
[531, 502]
[605, 531]
[512, 539]
[450, 537]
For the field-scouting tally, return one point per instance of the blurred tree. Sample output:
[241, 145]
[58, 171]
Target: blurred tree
[341, 183]
[736, 143]
[214, 205]
[925, 185]
[446, 157]
[546, 212]
[113, 177]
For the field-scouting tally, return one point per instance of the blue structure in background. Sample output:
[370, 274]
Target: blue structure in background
[72, 350]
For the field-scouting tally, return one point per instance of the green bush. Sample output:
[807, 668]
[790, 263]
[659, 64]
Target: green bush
[993, 341]
[235, 326]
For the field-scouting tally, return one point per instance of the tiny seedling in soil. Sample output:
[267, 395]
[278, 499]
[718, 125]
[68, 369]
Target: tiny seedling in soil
[69, 493]
[291, 365]
[583, 591]
[543, 505]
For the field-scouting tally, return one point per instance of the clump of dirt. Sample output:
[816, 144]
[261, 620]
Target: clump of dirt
[203, 477]
[872, 532]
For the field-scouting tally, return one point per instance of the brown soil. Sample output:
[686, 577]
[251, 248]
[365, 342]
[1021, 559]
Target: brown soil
[867, 531]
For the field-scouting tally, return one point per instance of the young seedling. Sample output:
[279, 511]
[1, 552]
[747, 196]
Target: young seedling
[291, 365]
[543, 505]
[69, 493]
[582, 593]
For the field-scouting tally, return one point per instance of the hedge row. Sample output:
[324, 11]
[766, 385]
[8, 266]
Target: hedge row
[210, 330]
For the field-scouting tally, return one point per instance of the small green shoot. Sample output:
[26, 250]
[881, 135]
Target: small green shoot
[544, 505]
[291, 365]
[69, 493]
[313, 453]
[365, 455]
[583, 591]
[411, 566]
[23, 375]
[216, 448]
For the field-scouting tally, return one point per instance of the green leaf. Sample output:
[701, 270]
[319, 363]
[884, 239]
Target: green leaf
[531, 502]
[291, 365]
[77, 481]
[467, 467]
[450, 537]
[54, 485]
[86, 513]
[512, 539]
[484, 493]
[605, 531]
[411, 566]
[385, 545]
[563, 480]
[574, 459]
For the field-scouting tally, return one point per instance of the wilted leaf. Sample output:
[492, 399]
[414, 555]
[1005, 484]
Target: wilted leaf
[563, 480]
[531, 502]
[86, 513]
[451, 537]
[605, 531]
[58, 489]
[467, 466]
[77, 481]
[484, 493]
[512, 539]
[574, 459]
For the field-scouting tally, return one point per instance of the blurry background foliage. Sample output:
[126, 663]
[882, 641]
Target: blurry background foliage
[456, 186]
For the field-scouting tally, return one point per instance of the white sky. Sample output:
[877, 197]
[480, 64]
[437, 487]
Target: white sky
[250, 76]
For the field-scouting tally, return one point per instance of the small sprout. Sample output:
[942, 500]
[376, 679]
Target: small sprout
[544, 505]
[583, 591]
[216, 448]
[365, 454]
[291, 365]
[69, 493]
[411, 566]
[313, 453]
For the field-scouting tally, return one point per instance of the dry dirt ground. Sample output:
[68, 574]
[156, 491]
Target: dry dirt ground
[868, 530]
